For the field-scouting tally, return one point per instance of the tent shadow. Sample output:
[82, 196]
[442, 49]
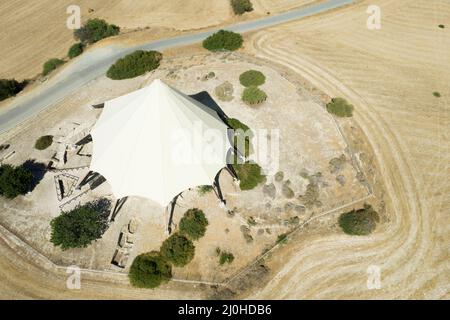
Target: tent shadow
[205, 98]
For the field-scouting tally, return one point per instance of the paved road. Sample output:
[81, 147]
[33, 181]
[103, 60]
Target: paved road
[95, 63]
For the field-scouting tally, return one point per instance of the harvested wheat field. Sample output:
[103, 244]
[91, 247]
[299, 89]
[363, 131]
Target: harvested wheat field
[32, 33]
[390, 76]
[35, 32]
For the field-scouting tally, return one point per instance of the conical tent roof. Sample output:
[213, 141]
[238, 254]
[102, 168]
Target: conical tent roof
[157, 142]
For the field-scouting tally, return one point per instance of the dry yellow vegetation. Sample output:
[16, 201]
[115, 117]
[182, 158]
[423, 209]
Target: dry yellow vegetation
[33, 32]
[390, 76]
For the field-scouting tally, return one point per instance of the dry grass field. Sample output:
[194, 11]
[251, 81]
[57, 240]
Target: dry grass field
[390, 76]
[33, 32]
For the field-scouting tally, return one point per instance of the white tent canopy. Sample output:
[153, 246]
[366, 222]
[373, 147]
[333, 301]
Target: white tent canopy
[157, 142]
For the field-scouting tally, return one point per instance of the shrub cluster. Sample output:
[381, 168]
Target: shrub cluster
[14, 181]
[340, 107]
[51, 65]
[241, 6]
[152, 269]
[149, 270]
[193, 224]
[43, 142]
[359, 222]
[79, 227]
[202, 190]
[225, 257]
[252, 78]
[134, 64]
[223, 40]
[75, 50]
[178, 249]
[253, 95]
[95, 30]
[249, 174]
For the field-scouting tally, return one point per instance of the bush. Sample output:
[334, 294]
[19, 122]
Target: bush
[249, 174]
[225, 257]
[223, 40]
[224, 91]
[9, 88]
[14, 181]
[436, 94]
[43, 142]
[193, 224]
[79, 227]
[51, 65]
[178, 249]
[241, 6]
[149, 270]
[95, 30]
[282, 238]
[340, 107]
[75, 50]
[202, 190]
[134, 64]
[360, 222]
[253, 95]
[242, 133]
[252, 78]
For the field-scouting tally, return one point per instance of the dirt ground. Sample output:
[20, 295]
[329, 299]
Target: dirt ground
[32, 33]
[389, 75]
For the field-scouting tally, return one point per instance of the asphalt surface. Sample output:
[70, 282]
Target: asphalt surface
[95, 63]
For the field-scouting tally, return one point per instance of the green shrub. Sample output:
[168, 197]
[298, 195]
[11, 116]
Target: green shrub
[225, 257]
[134, 64]
[340, 107]
[149, 270]
[51, 65]
[79, 227]
[282, 238]
[242, 134]
[43, 142]
[223, 40]
[193, 224]
[252, 78]
[11, 87]
[202, 190]
[253, 95]
[178, 249]
[14, 181]
[442, 26]
[75, 50]
[95, 30]
[359, 222]
[249, 174]
[241, 6]
[436, 94]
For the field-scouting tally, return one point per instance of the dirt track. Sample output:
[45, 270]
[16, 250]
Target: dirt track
[389, 75]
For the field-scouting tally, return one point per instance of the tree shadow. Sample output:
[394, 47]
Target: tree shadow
[38, 170]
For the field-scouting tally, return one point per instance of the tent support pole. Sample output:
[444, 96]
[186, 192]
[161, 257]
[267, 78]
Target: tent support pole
[218, 191]
[88, 178]
[172, 205]
[118, 206]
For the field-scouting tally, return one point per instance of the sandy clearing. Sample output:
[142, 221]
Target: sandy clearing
[408, 130]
